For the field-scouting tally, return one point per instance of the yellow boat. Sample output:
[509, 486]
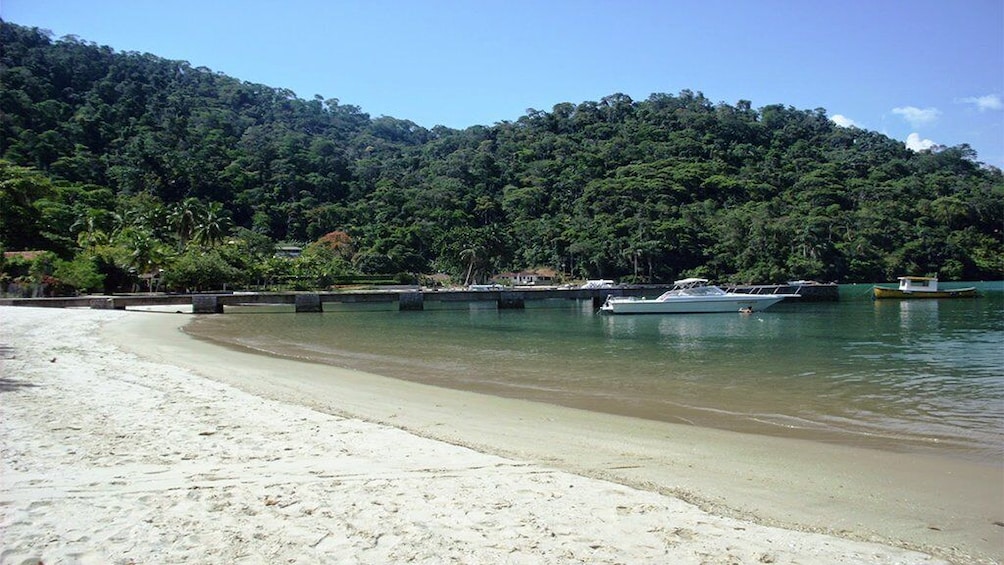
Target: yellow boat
[922, 287]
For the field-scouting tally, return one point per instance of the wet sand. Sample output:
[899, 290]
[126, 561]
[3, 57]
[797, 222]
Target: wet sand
[158, 434]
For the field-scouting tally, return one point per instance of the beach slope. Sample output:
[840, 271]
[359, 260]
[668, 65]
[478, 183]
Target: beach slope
[119, 450]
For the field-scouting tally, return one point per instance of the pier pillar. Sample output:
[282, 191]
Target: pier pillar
[600, 298]
[411, 301]
[206, 304]
[308, 303]
[511, 300]
[105, 303]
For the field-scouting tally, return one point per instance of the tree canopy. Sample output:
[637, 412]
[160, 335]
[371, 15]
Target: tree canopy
[140, 161]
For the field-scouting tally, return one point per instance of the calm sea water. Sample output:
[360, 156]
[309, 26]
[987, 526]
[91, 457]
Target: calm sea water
[899, 375]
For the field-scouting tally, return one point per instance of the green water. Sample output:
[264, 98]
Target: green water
[899, 375]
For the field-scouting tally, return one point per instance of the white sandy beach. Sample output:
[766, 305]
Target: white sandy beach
[125, 441]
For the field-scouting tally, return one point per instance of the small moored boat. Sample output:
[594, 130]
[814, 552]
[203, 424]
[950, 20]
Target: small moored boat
[922, 287]
[691, 296]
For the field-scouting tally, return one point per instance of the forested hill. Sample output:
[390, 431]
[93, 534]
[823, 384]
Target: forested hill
[103, 149]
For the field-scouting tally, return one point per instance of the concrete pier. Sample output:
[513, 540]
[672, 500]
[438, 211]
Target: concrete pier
[103, 303]
[206, 304]
[411, 299]
[511, 300]
[307, 303]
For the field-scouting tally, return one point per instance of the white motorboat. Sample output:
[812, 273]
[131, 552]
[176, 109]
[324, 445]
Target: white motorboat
[691, 296]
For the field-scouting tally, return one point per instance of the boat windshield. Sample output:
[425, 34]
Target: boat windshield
[693, 290]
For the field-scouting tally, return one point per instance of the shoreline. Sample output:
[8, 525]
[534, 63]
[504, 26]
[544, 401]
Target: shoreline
[747, 416]
[946, 508]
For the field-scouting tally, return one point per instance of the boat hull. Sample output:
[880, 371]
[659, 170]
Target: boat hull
[703, 305]
[884, 292]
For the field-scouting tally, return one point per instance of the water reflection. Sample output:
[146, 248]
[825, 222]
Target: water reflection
[913, 315]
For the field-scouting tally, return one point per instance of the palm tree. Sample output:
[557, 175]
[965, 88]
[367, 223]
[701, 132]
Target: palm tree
[470, 256]
[146, 253]
[94, 225]
[182, 218]
[211, 225]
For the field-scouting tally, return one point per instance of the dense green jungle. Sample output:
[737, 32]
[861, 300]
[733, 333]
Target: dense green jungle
[126, 169]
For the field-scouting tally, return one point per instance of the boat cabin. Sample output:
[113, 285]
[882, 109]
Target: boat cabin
[918, 284]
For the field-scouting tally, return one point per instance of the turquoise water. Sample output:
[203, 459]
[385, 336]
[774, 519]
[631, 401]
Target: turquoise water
[899, 375]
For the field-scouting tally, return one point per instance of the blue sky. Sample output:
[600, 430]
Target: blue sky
[921, 71]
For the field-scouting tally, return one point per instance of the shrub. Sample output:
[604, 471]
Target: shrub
[80, 274]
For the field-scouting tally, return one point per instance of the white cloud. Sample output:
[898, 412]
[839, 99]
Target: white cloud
[983, 103]
[915, 143]
[916, 116]
[843, 121]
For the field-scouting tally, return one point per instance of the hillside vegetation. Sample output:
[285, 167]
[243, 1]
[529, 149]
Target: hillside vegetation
[124, 164]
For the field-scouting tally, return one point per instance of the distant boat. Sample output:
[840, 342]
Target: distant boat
[691, 296]
[922, 287]
[598, 283]
[492, 286]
